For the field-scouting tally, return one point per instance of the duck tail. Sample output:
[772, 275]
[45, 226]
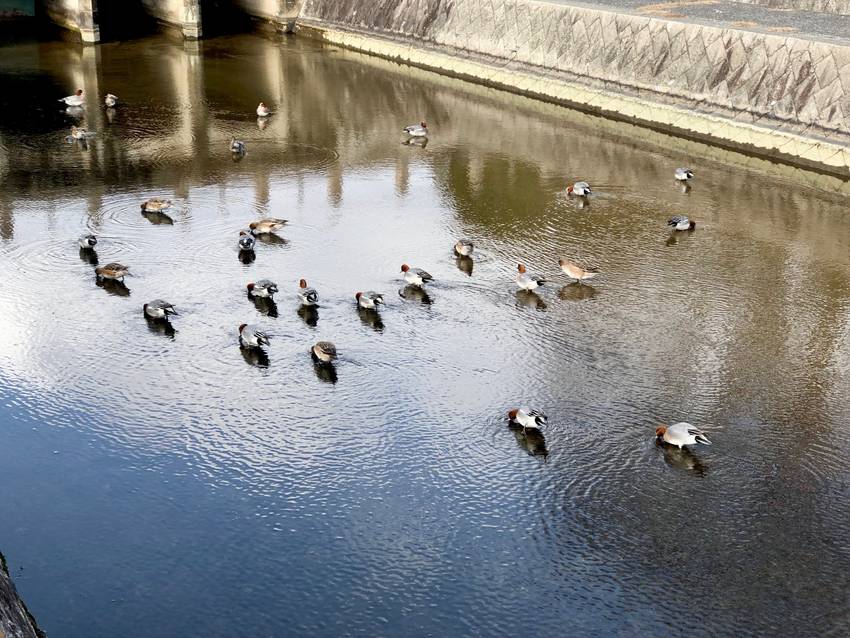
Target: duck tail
[699, 437]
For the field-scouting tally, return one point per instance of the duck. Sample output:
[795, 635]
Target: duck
[262, 288]
[158, 309]
[87, 242]
[527, 281]
[463, 247]
[73, 100]
[237, 146]
[574, 271]
[527, 419]
[263, 110]
[246, 241]
[309, 296]
[323, 352]
[681, 222]
[79, 133]
[250, 336]
[156, 205]
[680, 434]
[267, 225]
[417, 130]
[112, 270]
[683, 174]
[369, 300]
[415, 276]
[110, 100]
[581, 189]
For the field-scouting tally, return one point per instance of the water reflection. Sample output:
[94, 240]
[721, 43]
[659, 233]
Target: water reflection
[371, 318]
[264, 305]
[247, 256]
[415, 294]
[158, 218]
[682, 459]
[577, 291]
[529, 299]
[88, 256]
[256, 357]
[270, 239]
[465, 264]
[309, 315]
[160, 326]
[532, 441]
[325, 372]
[113, 287]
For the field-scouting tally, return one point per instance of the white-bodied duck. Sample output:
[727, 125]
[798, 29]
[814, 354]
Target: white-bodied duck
[527, 281]
[263, 110]
[369, 300]
[110, 100]
[527, 419]
[237, 147]
[250, 336]
[246, 241]
[417, 130]
[112, 270]
[87, 242]
[308, 296]
[158, 309]
[574, 271]
[323, 352]
[262, 288]
[415, 276]
[681, 222]
[683, 174]
[74, 100]
[680, 434]
[464, 247]
[580, 189]
[266, 226]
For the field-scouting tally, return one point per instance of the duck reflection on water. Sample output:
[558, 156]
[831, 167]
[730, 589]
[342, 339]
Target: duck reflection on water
[160, 326]
[412, 292]
[577, 291]
[309, 315]
[532, 441]
[530, 299]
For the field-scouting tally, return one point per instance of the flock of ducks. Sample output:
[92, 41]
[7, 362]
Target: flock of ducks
[252, 337]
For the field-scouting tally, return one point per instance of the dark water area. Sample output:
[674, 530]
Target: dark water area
[160, 482]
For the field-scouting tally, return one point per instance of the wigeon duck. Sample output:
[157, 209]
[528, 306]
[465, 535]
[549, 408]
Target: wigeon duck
[262, 288]
[251, 336]
[156, 205]
[680, 434]
[581, 189]
[112, 270]
[79, 133]
[74, 100]
[237, 146]
[415, 276]
[528, 281]
[266, 226]
[684, 174]
[417, 130]
[369, 300]
[323, 352]
[158, 309]
[527, 419]
[309, 296]
[246, 241]
[463, 247]
[110, 100]
[263, 110]
[681, 222]
[574, 271]
[87, 242]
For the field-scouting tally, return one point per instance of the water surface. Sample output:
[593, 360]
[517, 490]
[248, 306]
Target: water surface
[160, 482]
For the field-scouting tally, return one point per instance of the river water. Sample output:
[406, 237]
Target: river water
[160, 482]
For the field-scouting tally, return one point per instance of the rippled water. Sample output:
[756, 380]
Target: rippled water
[159, 481]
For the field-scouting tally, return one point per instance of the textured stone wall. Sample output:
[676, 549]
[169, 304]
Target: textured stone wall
[77, 15]
[185, 14]
[281, 13]
[15, 620]
[841, 7]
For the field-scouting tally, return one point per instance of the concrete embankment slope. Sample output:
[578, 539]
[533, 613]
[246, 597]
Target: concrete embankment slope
[776, 95]
[15, 620]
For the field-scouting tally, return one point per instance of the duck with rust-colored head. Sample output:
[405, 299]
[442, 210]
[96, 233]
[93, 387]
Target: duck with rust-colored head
[526, 280]
[680, 434]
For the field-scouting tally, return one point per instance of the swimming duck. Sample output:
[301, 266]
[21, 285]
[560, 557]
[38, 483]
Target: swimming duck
[581, 189]
[527, 281]
[417, 130]
[250, 336]
[237, 146]
[369, 300]
[87, 242]
[79, 133]
[267, 225]
[73, 100]
[309, 296]
[112, 270]
[158, 309]
[110, 100]
[680, 434]
[156, 205]
[684, 174]
[415, 276]
[262, 288]
[263, 110]
[323, 352]
[574, 271]
[681, 222]
[527, 419]
[463, 247]
[246, 241]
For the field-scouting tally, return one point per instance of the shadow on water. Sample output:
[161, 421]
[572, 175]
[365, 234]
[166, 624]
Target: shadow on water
[247, 256]
[270, 239]
[577, 292]
[371, 318]
[88, 256]
[264, 305]
[256, 357]
[416, 294]
[465, 264]
[529, 299]
[682, 459]
[113, 287]
[158, 218]
[532, 441]
[160, 326]
[325, 371]
[309, 315]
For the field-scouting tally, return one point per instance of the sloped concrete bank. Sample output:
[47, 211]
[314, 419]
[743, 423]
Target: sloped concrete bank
[775, 96]
[15, 620]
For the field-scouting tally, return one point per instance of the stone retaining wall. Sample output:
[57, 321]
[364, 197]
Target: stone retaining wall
[841, 7]
[15, 620]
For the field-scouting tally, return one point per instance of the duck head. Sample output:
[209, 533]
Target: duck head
[660, 431]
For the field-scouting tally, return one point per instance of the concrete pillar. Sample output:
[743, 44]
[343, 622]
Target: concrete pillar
[77, 15]
[192, 19]
[87, 21]
[287, 12]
